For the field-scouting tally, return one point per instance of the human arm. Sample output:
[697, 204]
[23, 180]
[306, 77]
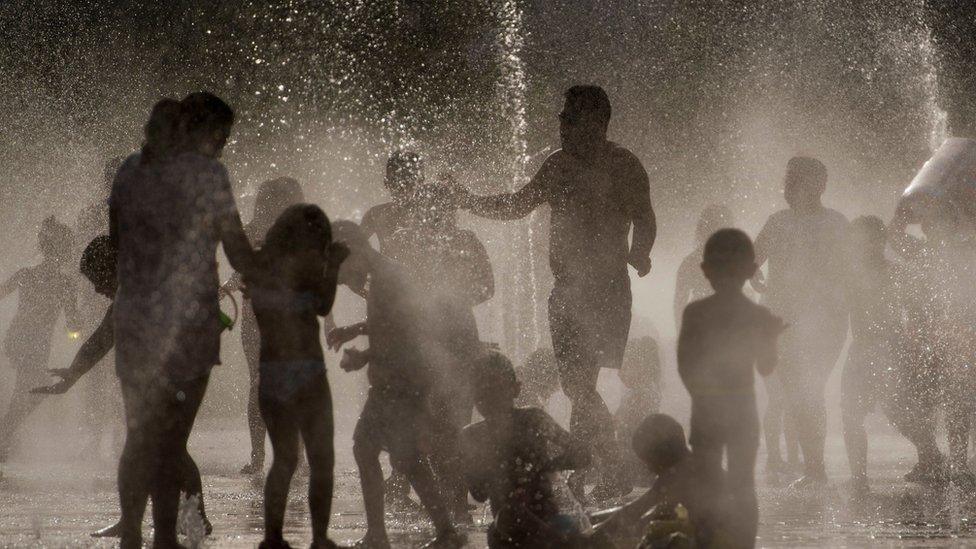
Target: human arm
[767, 354]
[344, 334]
[764, 241]
[476, 270]
[326, 291]
[12, 284]
[353, 359]
[69, 304]
[92, 351]
[689, 345]
[518, 204]
[643, 218]
[570, 453]
[682, 288]
[230, 228]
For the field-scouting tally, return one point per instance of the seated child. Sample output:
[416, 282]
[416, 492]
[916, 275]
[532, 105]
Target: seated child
[401, 375]
[293, 283]
[98, 266]
[509, 458]
[539, 378]
[723, 339]
[659, 442]
[641, 375]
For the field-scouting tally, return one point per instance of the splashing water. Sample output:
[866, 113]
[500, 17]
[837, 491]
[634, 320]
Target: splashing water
[522, 332]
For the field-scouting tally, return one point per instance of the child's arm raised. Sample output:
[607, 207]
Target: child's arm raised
[12, 284]
[92, 351]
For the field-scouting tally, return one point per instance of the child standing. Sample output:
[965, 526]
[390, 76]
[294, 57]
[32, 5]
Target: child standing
[44, 292]
[509, 457]
[723, 338]
[294, 283]
[401, 375]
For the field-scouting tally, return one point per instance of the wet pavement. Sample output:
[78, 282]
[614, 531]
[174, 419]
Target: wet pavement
[46, 501]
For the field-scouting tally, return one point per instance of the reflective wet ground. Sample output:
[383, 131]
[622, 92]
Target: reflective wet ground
[47, 501]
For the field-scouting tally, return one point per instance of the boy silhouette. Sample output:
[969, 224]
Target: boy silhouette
[724, 338]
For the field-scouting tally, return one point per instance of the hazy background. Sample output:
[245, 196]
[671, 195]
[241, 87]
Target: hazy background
[713, 99]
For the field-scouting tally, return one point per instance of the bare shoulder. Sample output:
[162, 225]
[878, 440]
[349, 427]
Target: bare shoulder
[622, 155]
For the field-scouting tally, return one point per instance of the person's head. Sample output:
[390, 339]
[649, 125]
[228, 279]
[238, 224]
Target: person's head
[404, 172]
[584, 119]
[55, 240]
[659, 442]
[868, 236]
[713, 218]
[355, 269]
[98, 265]
[495, 385]
[206, 123]
[162, 132]
[728, 259]
[112, 166]
[300, 228]
[806, 181]
[435, 207]
[274, 196]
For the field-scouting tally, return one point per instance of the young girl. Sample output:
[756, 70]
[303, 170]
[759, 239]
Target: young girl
[294, 283]
[44, 291]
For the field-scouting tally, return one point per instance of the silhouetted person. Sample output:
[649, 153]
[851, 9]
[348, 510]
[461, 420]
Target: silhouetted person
[659, 442]
[509, 458]
[596, 190]
[641, 376]
[171, 206]
[452, 266]
[806, 247]
[44, 292]
[724, 338]
[273, 197]
[293, 282]
[98, 266]
[937, 356]
[867, 380]
[396, 415]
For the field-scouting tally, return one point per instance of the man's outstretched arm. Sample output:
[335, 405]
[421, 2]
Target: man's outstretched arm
[518, 204]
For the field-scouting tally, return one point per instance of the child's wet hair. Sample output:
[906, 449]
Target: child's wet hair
[98, 261]
[55, 239]
[729, 248]
[659, 439]
[301, 227]
[494, 370]
[203, 113]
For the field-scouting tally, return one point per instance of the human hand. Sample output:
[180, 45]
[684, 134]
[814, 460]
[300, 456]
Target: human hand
[758, 282]
[337, 337]
[353, 359]
[68, 380]
[337, 253]
[641, 263]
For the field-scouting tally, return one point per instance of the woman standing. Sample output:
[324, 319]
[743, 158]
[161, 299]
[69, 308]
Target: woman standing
[171, 205]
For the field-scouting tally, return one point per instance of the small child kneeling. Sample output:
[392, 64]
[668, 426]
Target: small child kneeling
[509, 460]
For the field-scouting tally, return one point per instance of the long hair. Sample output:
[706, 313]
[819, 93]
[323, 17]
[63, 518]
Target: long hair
[300, 228]
[162, 132]
[203, 113]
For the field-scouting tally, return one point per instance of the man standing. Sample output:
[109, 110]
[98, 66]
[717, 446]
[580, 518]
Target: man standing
[805, 246]
[596, 190]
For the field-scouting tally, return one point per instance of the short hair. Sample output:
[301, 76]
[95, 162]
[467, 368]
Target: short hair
[204, 112]
[589, 98]
[494, 370]
[98, 261]
[300, 227]
[729, 247]
[277, 194]
[659, 438]
[807, 170]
